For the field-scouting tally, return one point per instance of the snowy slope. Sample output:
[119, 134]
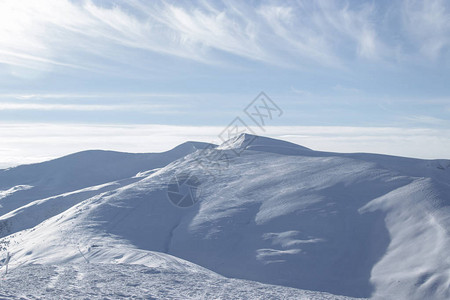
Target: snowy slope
[358, 225]
[124, 281]
[23, 184]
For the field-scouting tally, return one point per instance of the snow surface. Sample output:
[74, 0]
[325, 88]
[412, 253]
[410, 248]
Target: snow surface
[357, 225]
[125, 281]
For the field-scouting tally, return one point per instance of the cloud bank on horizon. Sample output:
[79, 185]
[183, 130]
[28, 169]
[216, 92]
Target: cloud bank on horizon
[327, 63]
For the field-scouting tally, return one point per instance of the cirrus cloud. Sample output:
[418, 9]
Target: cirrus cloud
[52, 34]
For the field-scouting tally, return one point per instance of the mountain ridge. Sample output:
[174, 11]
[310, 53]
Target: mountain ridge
[311, 220]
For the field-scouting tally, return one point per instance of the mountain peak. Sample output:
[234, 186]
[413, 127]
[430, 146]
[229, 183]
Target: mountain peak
[238, 141]
[260, 143]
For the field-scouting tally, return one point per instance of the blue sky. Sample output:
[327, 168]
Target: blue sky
[327, 64]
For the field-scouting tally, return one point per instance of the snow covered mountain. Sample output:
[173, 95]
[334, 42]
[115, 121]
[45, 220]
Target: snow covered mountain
[259, 209]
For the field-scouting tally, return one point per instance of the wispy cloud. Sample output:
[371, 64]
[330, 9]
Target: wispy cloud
[427, 22]
[91, 95]
[154, 108]
[430, 120]
[42, 35]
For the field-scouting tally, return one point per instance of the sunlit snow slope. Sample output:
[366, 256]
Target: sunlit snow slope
[359, 225]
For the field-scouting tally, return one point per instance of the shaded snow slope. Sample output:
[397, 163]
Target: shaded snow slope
[358, 225]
